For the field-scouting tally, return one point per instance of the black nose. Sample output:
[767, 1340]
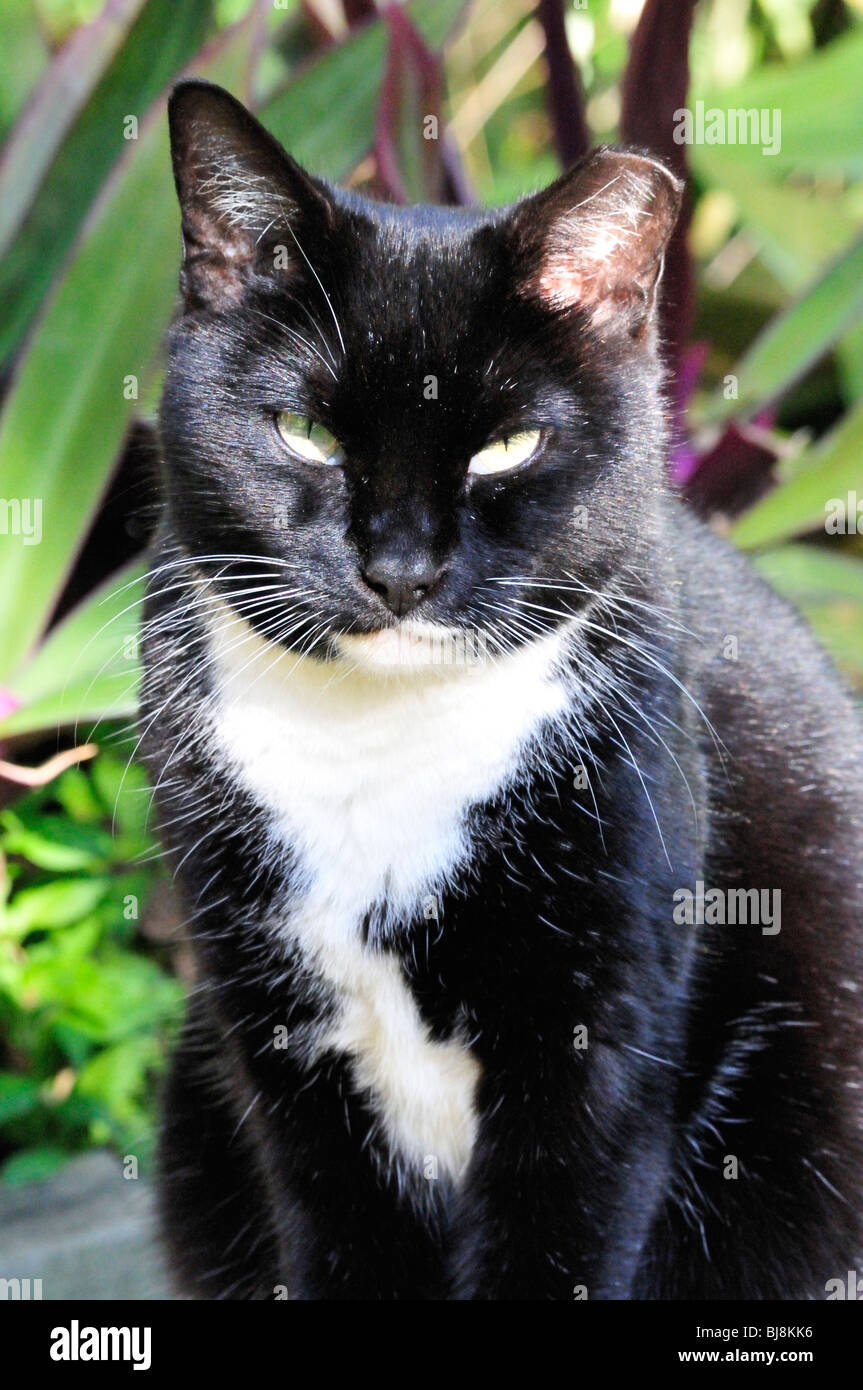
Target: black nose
[402, 584]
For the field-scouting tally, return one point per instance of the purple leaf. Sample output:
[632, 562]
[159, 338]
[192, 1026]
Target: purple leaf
[565, 95]
[416, 161]
[358, 11]
[735, 473]
[655, 85]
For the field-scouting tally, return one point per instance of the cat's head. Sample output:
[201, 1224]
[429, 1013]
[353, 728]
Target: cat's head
[417, 421]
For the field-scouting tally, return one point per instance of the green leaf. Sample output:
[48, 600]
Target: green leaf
[25, 56]
[53, 107]
[849, 355]
[117, 1076]
[820, 105]
[831, 470]
[98, 330]
[811, 574]
[55, 844]
[325, 116]
[51, 905]
[799, 230]
[162, 39]
[74, 791]
[109, 999]
[19, 1095]
[108, 315]
[827, 588]
[77, 941]
[795, 340]
[103, 325]
[33, 1165]
[838, 626]
[124, 791]
[87, 668]
[438, 21]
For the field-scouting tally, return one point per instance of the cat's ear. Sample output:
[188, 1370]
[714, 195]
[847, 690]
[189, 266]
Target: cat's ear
[241, 196]
[595, 239]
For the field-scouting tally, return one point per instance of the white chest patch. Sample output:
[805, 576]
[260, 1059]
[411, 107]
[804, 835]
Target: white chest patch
[368, 776]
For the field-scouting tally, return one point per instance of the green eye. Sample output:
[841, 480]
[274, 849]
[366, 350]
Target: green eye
[505, 455]
[307, 439]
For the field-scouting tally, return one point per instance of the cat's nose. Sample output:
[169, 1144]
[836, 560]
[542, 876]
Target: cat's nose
[402, 584]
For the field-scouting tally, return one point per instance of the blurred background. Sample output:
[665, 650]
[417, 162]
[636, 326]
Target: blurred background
[762, 332]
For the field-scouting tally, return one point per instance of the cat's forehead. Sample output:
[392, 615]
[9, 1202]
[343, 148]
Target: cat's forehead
[419, 275]
[420, 221]
[421, 243]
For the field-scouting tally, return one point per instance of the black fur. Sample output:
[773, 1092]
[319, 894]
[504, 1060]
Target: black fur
[597, 1170]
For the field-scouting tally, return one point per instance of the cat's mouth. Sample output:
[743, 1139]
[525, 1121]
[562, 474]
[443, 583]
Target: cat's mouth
[412, 645]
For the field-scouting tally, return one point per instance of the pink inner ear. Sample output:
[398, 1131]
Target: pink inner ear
[593, 255]
[561, 284]
[602, 254]
[594, 277]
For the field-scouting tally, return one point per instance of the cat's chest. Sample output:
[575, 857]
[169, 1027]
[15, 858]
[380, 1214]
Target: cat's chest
[369, 784]
[371, 781]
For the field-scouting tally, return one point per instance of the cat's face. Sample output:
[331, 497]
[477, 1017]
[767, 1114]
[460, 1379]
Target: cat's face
[385, 421]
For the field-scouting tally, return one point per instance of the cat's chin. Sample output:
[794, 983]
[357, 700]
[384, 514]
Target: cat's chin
[414, 647]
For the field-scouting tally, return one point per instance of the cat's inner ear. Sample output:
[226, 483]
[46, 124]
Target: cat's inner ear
[242, 198]
[595, 239]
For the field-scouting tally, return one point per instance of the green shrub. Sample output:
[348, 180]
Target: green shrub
[86, 1009]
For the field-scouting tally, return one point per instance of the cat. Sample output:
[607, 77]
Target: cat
[518, 823]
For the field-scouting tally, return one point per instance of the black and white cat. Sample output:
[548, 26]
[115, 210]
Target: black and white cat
[519, 825]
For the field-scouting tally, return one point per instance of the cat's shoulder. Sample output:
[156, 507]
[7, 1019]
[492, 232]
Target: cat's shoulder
[757, 658]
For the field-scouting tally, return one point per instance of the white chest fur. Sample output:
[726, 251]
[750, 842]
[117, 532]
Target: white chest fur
[369, 777]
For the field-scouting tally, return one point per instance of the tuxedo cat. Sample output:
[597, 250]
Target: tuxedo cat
[519, 825]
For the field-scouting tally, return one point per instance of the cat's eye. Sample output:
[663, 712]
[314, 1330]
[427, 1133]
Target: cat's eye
[307, 439]
[505, 455]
